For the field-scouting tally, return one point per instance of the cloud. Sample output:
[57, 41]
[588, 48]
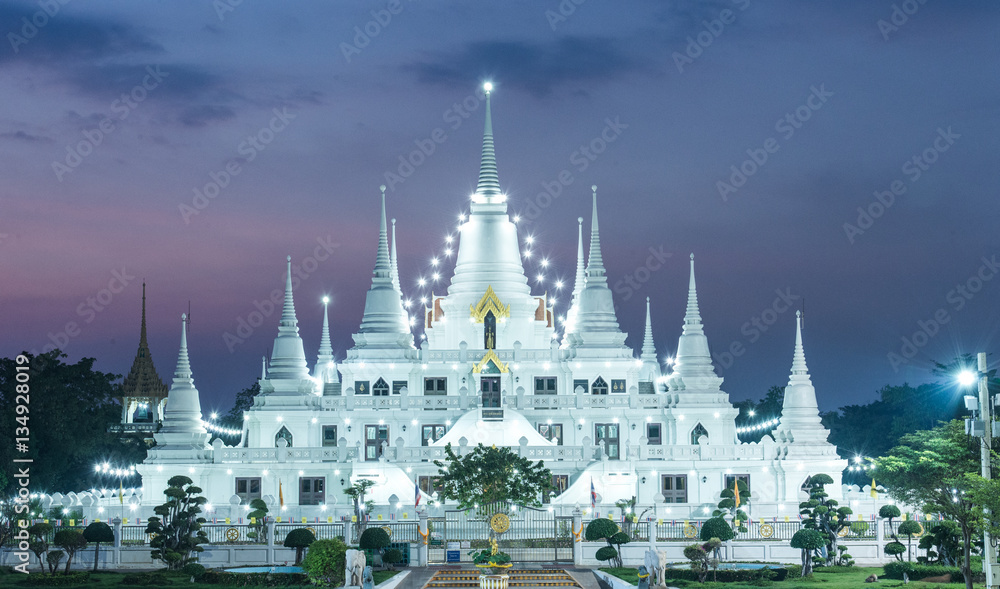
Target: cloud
[538, 68]
[65, 37]
[199, 116]
[24, 136]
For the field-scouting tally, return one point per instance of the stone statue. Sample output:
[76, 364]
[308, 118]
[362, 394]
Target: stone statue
[367, 579]
[655, 562]
[355, 561]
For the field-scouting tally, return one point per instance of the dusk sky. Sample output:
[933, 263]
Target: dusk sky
[118, 116]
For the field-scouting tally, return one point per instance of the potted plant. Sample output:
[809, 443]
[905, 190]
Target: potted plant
[494, 564]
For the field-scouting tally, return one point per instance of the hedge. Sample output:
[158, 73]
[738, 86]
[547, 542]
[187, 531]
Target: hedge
[60, 580]
[730, 575]
[154, 579]
[917, 571]
[254, 579]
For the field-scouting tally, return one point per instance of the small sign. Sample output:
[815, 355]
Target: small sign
[454, 555]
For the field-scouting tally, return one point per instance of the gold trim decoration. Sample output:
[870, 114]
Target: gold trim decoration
[424, 535]
[232, 534]
[921, 532]
[766, 530]
[690, 531]
[312, 530]
[500, 523]
[388, 531]
[490, 355]
[844, 532]
[578, 534]
[489, 302]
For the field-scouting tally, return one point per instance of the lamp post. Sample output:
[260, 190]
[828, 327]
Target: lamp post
[967, 378]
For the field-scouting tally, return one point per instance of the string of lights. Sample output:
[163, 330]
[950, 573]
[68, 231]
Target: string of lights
[751, 429]
[221, 430]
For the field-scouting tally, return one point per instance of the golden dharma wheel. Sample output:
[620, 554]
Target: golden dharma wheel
[312, 530]
[232, 534]
[690, 531]
[500, 523]
[843, 532]
[388, 530]
[766, 530]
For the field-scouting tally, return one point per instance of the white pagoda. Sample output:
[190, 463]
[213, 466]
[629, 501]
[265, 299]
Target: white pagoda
[492, 370]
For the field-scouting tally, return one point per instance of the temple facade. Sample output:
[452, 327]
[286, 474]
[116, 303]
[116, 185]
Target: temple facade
[493, 367]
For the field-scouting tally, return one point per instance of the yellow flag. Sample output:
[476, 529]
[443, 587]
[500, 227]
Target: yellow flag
[277, 519]
[736, 492]
[406, 515]
[253, 521]
[874, 490]
[303, 520]
[329, 519]
[227, 521]
[72, 523]
[380, 517]
[354, 518]
[786, 518]
[121, 493]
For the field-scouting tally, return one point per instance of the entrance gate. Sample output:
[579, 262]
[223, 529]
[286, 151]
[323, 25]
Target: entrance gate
[535, 535]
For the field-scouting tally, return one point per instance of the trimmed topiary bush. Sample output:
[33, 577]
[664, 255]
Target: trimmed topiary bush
[716, 527]
[910, 528]
[895, 549]
[606, 553]
[808, 541]
[392, 556]
[299, 539]
[374, 539]
[193, 569]
[325, 562]
[916, 571]
[607, 530]
[98, 532]
[72, 541]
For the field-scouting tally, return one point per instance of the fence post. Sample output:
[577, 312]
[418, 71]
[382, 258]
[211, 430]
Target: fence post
[117, 558]
[577, 540]
[423, 538]
[652, 534]
[270, 540]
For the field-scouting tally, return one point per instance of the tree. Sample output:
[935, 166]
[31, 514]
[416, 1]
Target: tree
[357, 493]
[808, 541]
[258, 519]
[488, 478]
[53, 558]
[71, 541]
[325, 562]
[701, 559]
[823, 515]
[716, 527]
[928, 469]
[98, 532]
[392, 556]
[896, 549]
[38, 542]
[767, 408]
[374, 539]
[607, 530]
[607, 553]
[176, 526]
[728, 507]
[243, 403]
[629, 516]
[910, 528]
[942, 543]
[74, 418]
[300, 539]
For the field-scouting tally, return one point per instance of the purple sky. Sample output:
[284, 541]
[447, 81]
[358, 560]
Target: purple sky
[873, 97]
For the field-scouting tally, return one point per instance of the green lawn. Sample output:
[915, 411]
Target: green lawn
[850, 579]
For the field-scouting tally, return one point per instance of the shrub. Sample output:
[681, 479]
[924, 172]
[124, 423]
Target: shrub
[98, 532]
[607, 530]
[392, 556]
[889, 512]
[38, 542]
[807, 541]
[299, 539]
[72, 541]
[895, 549]
[215, 577]
[734, 575]
[916, 571]
[606, 553]
[154, 579]
[70, 580]
[176, 527]
[325, 562]
[52, 559]
[374, 539]
[716, 527]
[193, 569]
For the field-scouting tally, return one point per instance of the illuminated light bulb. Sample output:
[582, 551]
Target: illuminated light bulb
[436, 277]
[527, 253]
[488, 87]
[517, 218]
[434, 261]
[529, 240]
[326, 300]
[449, 239]
[447, 252]
[540, 278]
[559, 284]
[421, 282]
[545, 263]
[215, 415]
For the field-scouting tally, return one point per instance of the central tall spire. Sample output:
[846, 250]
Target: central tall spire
[488, 189]
[693, 369]
[488, 251]
[182, 425]
[800, 421]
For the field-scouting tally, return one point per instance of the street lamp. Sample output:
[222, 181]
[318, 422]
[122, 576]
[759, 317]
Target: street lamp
[983, 428]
